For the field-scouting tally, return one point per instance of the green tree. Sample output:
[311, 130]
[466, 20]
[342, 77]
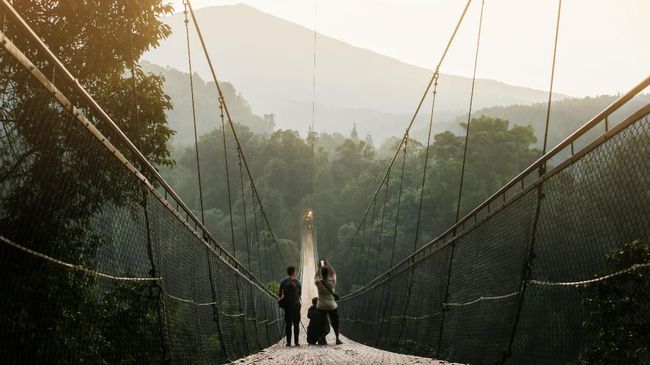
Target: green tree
[56, 178]
[618, 316]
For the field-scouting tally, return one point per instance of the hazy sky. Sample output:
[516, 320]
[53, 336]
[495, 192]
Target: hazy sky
[604, 45]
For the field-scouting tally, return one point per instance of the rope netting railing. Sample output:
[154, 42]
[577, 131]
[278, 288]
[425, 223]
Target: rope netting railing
[100, 260]
[523, 260]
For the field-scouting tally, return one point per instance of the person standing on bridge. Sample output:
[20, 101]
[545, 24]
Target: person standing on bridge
[326, 285]
[290, 292]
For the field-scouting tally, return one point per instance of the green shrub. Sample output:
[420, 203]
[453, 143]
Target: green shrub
[618, 310]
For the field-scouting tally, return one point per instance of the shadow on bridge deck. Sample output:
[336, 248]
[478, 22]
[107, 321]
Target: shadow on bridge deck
[349, 353]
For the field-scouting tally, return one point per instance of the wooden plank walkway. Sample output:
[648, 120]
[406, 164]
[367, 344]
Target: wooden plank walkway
[349, 352]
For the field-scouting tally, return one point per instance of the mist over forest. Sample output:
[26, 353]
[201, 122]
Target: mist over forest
[348, 166]
[363, 103]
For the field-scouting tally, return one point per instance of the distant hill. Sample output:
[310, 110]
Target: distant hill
[270, 61]
[566, 115]
[177, 86]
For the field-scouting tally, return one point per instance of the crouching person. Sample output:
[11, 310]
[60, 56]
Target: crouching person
[314, 330]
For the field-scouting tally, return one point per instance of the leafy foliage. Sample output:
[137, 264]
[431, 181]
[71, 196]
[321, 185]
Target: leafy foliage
[618, 310]
[346, 171]
[55, 182]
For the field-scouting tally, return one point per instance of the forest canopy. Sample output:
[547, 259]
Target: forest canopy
[346, 172]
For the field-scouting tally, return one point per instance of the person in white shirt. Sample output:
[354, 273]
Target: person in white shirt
[326, 284]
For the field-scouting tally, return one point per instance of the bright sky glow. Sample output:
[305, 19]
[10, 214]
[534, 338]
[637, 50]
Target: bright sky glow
[604, 45]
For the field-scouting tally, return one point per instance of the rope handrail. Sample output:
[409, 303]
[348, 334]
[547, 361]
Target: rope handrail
[79, 268]
[557, 149]
[454, 232]
[205, 236]
[586, 282]
[97, 273]
[13, 15]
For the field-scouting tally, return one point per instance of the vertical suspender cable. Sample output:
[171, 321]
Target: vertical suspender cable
[257, 233]
[550, 88]
[224, 109]
[196, 138]
[426, 163]
[526, 270]
[215, 308]
[399, 200]
[246, 237]
[417, 226]
[243, 203]
[362, 239]
[380, 238]
[154, 272]
[225, 160]
[417, 110]
[469, 114]
[388, 294]
[372, 224]
[462, 176]
[312, 132]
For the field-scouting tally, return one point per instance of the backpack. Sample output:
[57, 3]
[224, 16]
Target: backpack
[291, 293]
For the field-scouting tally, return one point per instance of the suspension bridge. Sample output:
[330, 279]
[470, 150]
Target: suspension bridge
[101, 261]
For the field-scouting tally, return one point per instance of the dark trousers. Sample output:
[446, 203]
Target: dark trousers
[292, 319]
[324, 326]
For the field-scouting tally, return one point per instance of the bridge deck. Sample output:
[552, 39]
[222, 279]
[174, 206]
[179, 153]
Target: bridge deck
[349, 353]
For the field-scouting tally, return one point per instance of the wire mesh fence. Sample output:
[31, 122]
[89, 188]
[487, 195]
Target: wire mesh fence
[100, 262]
[507, 283]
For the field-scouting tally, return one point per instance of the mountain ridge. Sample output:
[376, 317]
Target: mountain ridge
[270, 60]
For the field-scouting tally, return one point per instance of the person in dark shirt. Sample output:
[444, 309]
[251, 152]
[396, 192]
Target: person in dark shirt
[314, 329]
[290, 292]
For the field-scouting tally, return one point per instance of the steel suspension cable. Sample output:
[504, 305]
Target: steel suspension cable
[469, 114]
[232, 127]
[313, 107]
[550, 89]
[257, 233]
[526, 270]
[372, 224]
[462, 176]
[243, 203]
[185, 216]
[380, 238]
[196, 138]
[417, 110]
[362, 239]
[215, 309]
[399, 200]
[225, 160]
[426, 163]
